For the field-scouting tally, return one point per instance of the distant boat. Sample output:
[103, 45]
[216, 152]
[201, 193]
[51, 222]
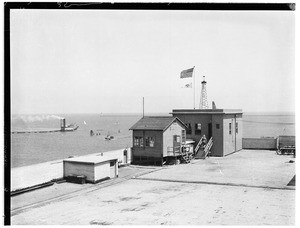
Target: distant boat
[109, 137]
[71, 127]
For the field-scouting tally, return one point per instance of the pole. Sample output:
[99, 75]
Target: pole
[143, 107]
[194, 85]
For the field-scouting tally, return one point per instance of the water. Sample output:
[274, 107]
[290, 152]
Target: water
[32, 148]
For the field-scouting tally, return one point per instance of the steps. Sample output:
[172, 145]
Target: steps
[202, 153]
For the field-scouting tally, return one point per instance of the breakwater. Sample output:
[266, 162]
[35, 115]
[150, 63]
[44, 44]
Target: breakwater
[37, 131]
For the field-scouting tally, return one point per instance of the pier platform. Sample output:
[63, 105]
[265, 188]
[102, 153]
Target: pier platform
[246, 188]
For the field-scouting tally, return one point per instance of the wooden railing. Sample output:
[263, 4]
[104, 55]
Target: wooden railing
[208, 147]
[199, 144]
[173, 151]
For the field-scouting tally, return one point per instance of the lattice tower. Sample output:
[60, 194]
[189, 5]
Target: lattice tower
[203, 97]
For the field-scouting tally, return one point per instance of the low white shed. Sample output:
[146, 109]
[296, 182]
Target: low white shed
[96, 168]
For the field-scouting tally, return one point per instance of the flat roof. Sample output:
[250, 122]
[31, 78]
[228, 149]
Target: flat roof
[207, 111]
[92, 159]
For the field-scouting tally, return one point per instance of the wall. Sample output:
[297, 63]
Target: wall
[144, 151]
[27, 176]
[259, 143]
[232, 142]
[286, 141]
[193, 119]
[217, 134]
[75, 168]
[174, 129]
[239, 135]
[102, 170]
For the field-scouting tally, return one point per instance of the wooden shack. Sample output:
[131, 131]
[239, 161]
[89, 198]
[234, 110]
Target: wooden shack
[155, 138]
[95, 168]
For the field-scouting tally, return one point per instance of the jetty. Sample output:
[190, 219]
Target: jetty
[63, 128]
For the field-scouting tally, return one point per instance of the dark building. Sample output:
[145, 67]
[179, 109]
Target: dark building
[223, 125]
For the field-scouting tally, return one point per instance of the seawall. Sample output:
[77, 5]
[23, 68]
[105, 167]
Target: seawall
[268, 143]
[259, 143]
[28, 176]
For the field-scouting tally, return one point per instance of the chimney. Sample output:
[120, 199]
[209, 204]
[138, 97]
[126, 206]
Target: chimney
[63, 124]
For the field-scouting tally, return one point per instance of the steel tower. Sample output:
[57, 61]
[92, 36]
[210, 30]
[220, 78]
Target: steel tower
[203, 97]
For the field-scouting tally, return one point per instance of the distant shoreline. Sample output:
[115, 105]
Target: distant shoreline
[156, 114]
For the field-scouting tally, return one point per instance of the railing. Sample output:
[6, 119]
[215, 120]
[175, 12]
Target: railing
[173, 151]
[199, 144]
[208, 147]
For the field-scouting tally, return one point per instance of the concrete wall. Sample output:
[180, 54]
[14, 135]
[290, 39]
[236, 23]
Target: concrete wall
[27, 176]
[260, 143]
[147, 151]
[174, 129]
[75, 168]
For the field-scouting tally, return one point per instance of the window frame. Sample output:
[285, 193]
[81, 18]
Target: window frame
[197, 130]
[148, 141]
[138, 141]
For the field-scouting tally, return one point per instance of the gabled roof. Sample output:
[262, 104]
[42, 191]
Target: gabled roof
[155, 123]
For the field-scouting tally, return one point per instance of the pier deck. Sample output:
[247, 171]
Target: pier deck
[241, 189]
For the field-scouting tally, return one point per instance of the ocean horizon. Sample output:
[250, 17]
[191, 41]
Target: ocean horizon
[33, 148]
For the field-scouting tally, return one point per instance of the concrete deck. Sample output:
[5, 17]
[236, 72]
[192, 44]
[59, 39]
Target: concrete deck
[246, 188]
[245, 168]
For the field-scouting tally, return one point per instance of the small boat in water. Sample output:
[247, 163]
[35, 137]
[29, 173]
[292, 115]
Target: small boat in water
[109, 137]
[71, 127]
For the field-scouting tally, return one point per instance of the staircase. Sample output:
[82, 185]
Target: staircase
[202, 153]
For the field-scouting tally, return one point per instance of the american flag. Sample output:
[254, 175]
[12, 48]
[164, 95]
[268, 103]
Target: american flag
[187, 73]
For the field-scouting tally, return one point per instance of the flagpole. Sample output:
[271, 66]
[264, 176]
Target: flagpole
[194, 84]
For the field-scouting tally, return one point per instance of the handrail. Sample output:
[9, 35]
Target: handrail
[199, 144]
[208, 146]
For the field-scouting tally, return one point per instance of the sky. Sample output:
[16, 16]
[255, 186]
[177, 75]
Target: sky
[93, 61]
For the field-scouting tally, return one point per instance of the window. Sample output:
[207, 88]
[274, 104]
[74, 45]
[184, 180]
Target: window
[149, 141]
[183, 136]
[138, 141]
[236, 128]
[198, 128]
[189, 128]
[230, 128]
[112, 163]
[178, 138]
[218, 126]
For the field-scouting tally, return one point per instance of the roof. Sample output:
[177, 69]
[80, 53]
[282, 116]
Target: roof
[207, 111]
[92, 159]
[155, 123]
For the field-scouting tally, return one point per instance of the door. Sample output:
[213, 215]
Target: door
[125, 157]
[176, 143]
[209, 131]
[112, 169]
